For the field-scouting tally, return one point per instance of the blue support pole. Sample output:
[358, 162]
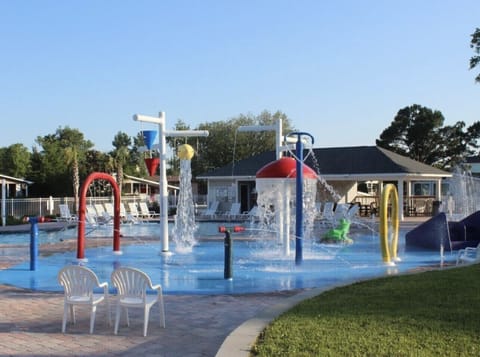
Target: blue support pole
[299, 197]
[299, 204]
[33, 242]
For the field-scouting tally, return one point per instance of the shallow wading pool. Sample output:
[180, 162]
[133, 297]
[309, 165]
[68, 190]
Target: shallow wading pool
[259, 265]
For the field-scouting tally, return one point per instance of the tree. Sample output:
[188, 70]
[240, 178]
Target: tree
[137, 165]
[120, 154]
[418, 132]
[99, 161]
[74, 147]
[15, 160]
[66, 146]
[475, 44]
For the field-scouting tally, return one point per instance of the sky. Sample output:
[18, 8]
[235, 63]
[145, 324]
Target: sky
[339, 69]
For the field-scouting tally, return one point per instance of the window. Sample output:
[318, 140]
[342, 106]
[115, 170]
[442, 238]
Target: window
[424, 188]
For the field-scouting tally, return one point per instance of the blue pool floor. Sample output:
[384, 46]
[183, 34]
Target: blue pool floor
[258, 266]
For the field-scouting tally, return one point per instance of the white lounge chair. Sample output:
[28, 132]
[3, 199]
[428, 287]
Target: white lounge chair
[352, 212]
[125, 216]
[318, 210]
[93, 217]
[327, 213]
[132, 285]
[253, 214]
[108, 206]
[234, 211]
[103, 216]
[134, 211]
[65, 214]
[78, 284]
[211, 211]
[340, 212]
[468, 255]
[145, 212]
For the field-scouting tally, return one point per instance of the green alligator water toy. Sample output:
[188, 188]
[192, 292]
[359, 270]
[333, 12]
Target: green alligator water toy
[339, 234]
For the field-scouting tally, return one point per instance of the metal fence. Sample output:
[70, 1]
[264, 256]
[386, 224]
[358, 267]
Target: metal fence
[27, 207]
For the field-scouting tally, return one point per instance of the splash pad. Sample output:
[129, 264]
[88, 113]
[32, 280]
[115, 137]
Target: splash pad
[259, 259]
[260, 262]
[258, 265]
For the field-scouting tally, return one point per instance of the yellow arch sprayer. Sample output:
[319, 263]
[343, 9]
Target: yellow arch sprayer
[389, 227]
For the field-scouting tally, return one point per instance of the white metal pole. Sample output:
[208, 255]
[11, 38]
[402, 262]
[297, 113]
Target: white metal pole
[279, 138]
[163, 196]
[163, 183]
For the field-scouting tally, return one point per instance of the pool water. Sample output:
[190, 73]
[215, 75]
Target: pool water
[258, 265]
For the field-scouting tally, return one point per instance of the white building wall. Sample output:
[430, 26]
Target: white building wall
[223, 191]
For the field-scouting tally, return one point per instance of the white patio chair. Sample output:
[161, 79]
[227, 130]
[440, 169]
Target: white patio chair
[92, 217]
[65, 214]
[78, 284]
[145, 212]
[212, 210]
[327, 213]
[134, 212]
[352, 212]
[125, 216]
[103, 216]
[109, 208]
[340, 212]
[132, 285]
[318, 210]
[253, 214]
[468, 255]
[234, 211]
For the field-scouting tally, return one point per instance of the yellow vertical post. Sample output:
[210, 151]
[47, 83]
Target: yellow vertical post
[389, 240]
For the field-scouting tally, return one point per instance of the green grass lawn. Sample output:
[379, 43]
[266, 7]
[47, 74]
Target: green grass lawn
[434, 313]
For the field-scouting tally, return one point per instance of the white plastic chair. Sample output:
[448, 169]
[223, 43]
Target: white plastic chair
[65, 214]
[134, 212]
[212, 210]
[78, 284]
[253, 214]
[234, 211]
[126, 217]
[318, 210]
[92, 216]
[99, 208]
[145, 212]
[132, 285]
[327, 213]
[352, 212]
[468, 255]
[109, 208]
[340, 212]
[103, 216]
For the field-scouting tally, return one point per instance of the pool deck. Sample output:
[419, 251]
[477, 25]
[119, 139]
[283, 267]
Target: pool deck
[196, 325]
[46, 226]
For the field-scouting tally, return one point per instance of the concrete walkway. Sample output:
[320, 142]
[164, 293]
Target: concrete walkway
[196, 325]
